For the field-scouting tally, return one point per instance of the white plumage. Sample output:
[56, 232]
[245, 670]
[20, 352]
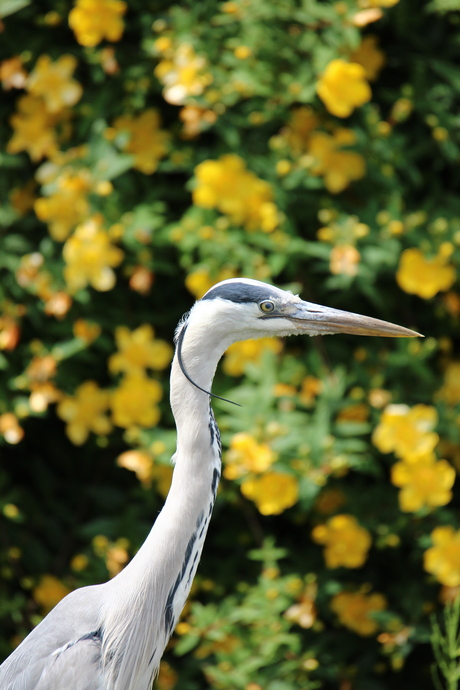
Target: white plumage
[112, 636]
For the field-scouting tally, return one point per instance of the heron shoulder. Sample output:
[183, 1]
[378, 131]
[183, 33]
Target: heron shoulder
[74, 618]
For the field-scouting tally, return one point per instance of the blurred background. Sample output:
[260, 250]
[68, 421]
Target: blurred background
[151, 149]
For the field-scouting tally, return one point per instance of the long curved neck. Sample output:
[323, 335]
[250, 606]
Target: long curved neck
[201, 352]
[157, 581]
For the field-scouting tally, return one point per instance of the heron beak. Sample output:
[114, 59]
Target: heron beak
[317, 320]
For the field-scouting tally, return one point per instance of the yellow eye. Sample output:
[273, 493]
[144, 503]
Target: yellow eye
[267, 306]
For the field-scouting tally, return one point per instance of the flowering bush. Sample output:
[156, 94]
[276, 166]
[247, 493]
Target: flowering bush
[150, 150]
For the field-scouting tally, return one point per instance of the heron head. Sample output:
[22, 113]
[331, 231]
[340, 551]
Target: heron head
[241, 309]
[252, 309]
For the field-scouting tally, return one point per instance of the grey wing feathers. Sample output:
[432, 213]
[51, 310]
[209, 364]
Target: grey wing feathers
[63, 652]
[75, 667]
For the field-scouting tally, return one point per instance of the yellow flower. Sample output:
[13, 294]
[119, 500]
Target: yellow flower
[10, 429]
[348, 229]
[370, 57]
[400, 111]
[33, 129]
[12, 74]
[90, 256]
[108, 60]
[343, 87]
[247, 455]
[196, 120]
[353, 609]
[284, 390]
[346, 542]
[139, 462]
[283, 167]
[163, 44]
[248, 351]
[88, 331]
[10, 332]
[337, 167]
[424, 483]
[183, 74]
[147, 142]
[41, 368]
[272, 493]
[116, 556]
[358, 412]
[138, 350]
[23, 198]
[304, 613]
[94, 20]
[162, 475]
[242, 52]
[53, 82]
[29, 270]
[378, 3]
[311, 387]
[398, 638]
[450, 391]
[11, 511]
[85, 412]
[299, 129]
[408, 432]
[141, 280]
[57, 304]
[344, 260]
[42, 394]
[395, 227]
[199, 282]
[79, 562]
[167, 677]
[227, 185]
[49, 592]
[134, 402]
[219, 646]
[424, 277]
[451, 302]
[66, 207]
[379, 397]
[42, 285]
[100, 544]
[230, 7]
[443, 559]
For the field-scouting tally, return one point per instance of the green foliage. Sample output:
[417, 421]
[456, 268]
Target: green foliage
[141, 166]
[446, 647]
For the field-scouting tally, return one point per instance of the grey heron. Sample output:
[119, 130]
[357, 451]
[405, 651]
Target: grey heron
[111, 636]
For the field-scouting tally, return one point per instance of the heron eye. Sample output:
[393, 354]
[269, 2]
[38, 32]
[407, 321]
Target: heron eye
[267, 306]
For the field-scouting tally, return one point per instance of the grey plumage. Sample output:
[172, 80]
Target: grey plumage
[112, 636]
[52, 656]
